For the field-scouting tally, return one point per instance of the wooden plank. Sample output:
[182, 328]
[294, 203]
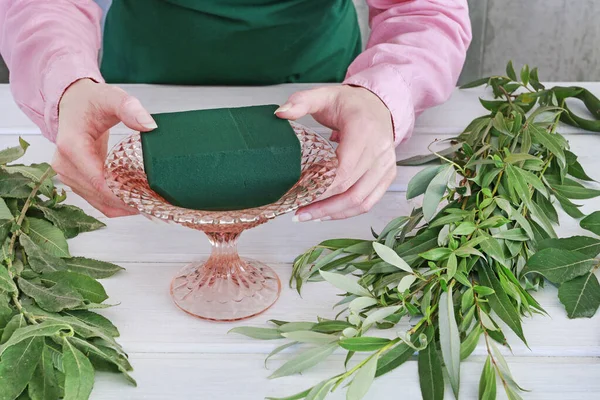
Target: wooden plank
[584, 145]
[450, 118]
[237, 377]
[145, 307]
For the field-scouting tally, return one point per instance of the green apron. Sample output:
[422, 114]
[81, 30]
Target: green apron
[229, 42]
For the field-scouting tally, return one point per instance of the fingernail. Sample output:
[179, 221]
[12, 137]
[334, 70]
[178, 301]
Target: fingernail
[141, 115]
[284, 108]
[321, 219]
[303, 217]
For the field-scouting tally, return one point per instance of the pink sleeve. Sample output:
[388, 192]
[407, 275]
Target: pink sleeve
[414, 56]
[47, 45]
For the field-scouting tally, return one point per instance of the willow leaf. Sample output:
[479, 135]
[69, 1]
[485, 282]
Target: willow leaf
[431, 377]
[450, 340]
[500, 302]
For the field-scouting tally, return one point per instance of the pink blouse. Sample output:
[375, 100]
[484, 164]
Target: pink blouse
[412, 60]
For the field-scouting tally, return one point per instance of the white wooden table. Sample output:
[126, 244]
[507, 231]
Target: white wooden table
[176, 356]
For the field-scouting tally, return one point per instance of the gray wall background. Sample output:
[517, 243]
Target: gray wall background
[559, 36]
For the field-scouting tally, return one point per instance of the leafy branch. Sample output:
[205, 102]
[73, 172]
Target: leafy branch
[472, 255]
[50, 339]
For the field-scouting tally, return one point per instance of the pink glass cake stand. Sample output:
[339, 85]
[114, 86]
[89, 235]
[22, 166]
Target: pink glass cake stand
[225, 287]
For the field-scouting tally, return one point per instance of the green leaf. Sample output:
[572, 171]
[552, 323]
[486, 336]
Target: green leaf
[93, 268]
[465, 228]
[592, 222]
[435, 191]
[440, 253]
[550, 141]
[494, 249]
[331, 326]
[518, 183]
[363, 343]
[18, 365]
[296, 326]
[569, 207]
[378, 315]
[5, 227]
[52, 299]
[95, 320]
[14, 185]
[580, 296]
[539, 216]
[515, 234]
[310, 337]
[102, 354]
[393, 358]
[500, 302]
[70, 219]
[470, 342]
[278, 350]
[33, 171]
[5, 213]
[558, 265]
[89, 288]
[510, 71]
[296, 396]
[48, 237]
[476, 83]
[582, 244]
[258, 333]
[46, 328]
[572, 189]
[483, 290]
[515, 215]
[534, 80]
[431, 377]
[319, 392]
[419, 183]
[39, 260]
[362, 380]
[305, 360]
[6, 283]
[424, 159]
[577, 171]
[449, 340]
[79, 373]
[407, 281]
[11, 154]
[16, 322]
[344, 283]
[391, 257]
[451, 266]
[487, 383]
[44, 383]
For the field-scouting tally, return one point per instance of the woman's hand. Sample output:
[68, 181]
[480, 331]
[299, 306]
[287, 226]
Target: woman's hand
[362, 125]
[87, 111]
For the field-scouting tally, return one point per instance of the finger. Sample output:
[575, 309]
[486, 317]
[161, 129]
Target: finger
[352, 164]
[310, 102]
[104, 208]
[70, 176]
[86, 160]
[370, 200]
[354, 198]
[335, 136]
[117, 105]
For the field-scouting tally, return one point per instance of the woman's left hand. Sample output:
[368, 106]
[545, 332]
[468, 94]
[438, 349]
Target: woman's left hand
[362, 125]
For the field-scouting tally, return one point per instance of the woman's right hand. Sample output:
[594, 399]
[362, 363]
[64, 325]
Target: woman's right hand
[87, 111]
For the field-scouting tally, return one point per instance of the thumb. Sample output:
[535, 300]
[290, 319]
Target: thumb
[118, 105]
[314, 101]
